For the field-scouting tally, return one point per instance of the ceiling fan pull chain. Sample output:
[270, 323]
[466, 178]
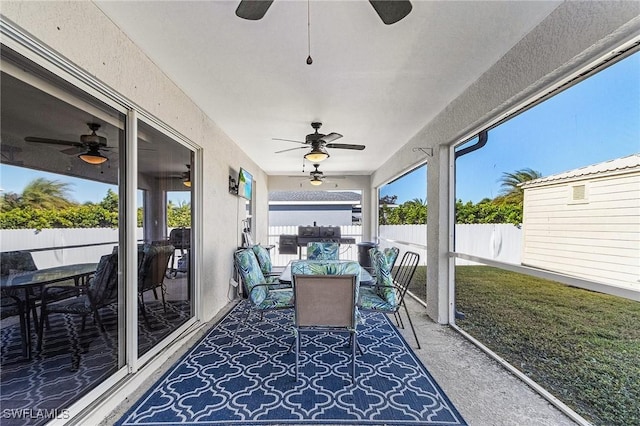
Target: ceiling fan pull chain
[309, 60]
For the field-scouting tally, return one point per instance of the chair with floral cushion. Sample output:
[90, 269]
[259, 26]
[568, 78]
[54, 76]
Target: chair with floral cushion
[270, 273]
[322, 251]
[387, 295]
[325, 299]
[389, 253]
[261, 295]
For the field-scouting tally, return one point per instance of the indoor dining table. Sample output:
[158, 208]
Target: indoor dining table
[21, 284]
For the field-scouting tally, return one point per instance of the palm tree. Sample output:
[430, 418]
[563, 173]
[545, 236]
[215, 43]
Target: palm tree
[43, 193]
[511, 191]
[418, 202]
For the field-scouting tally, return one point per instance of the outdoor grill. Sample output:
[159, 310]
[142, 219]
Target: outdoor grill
[311, 234]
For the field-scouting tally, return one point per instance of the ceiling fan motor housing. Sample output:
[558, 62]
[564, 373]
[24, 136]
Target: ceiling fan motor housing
[94, 139]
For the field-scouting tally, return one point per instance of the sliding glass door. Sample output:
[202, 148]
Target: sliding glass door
[165, 218]
[62, 288]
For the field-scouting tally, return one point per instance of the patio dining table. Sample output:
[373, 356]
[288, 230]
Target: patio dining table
[365, 276]
[23, 282]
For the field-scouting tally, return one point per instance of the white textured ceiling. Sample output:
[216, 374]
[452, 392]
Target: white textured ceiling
[375, 84]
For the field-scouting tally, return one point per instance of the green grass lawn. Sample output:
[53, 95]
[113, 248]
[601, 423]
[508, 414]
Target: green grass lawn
[582, 346]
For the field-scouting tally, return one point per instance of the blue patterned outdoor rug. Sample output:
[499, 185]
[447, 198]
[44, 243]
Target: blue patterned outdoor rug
[72, 361]
[252, 382]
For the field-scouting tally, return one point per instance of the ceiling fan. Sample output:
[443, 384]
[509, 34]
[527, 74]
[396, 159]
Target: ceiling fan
[319, 142]
[88, 148]
[317, 177]
[390, 11]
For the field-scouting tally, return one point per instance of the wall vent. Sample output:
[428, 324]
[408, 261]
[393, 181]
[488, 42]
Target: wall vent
[578, 193]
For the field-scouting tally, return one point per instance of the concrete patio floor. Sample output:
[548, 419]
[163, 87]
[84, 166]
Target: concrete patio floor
[484, 392]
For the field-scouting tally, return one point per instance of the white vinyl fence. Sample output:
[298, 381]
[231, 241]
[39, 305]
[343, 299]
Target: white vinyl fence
[79, 245]
[53, 247]
[501, 242]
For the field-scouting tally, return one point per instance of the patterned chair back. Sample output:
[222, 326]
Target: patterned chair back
[326, 267]
[322, 251]
[384, 281]
[251, 275]
[264, 258]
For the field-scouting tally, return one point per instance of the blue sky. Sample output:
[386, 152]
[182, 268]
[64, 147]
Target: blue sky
[80, 190]
[594, 121]
[14, 179]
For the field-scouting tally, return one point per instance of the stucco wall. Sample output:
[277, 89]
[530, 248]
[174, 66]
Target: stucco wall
[80, 32]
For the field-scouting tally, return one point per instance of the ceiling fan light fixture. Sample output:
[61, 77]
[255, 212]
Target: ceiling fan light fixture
[93, 156]
[317, 154]
[316, 181]
[186, 177]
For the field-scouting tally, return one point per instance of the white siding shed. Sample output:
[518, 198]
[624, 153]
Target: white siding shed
[586, 222]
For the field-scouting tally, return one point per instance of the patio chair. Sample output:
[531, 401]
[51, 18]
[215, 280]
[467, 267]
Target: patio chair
[101, 290]
[325, 300]
[390, 254]
[16, 261]
[262, 296]
[266, 266]
[152, 272]
[11, 305]
[322, 251]
[180, 238]
[12, 262]
[388, 294]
